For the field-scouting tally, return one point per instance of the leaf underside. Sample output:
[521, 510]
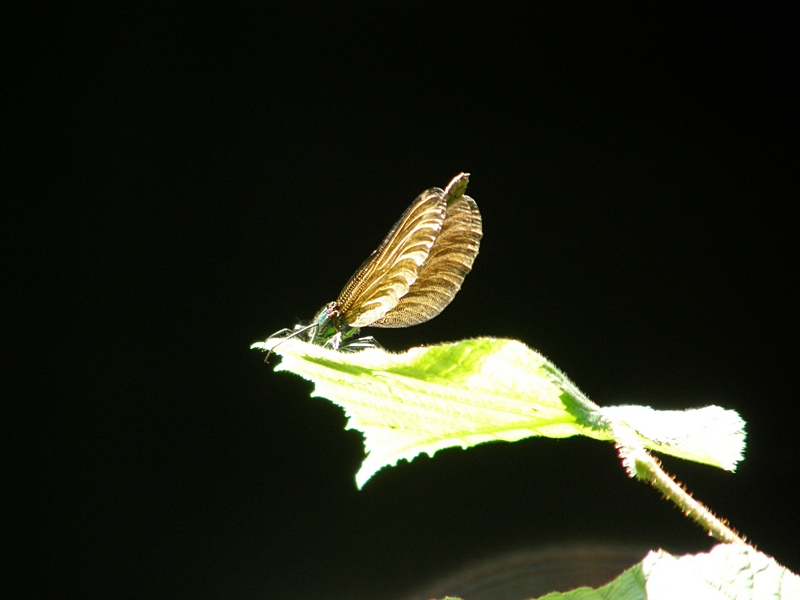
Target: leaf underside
[487, 389]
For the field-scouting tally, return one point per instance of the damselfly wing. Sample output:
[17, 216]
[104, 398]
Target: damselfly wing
[411, 277]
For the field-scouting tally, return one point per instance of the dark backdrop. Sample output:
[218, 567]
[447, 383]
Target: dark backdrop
[197, 177]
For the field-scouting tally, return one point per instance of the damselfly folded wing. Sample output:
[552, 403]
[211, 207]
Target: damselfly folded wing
[449, 260]
[390, 271]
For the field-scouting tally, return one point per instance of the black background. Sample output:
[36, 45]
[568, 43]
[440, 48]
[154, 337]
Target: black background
[196, 177]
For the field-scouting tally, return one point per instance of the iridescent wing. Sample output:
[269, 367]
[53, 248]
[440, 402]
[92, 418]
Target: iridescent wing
[449, 260]
[391, 270]
[420, 265]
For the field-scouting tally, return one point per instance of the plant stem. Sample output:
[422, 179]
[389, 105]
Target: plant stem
[642, 465]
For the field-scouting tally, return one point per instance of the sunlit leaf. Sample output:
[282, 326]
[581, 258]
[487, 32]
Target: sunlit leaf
[486, 389]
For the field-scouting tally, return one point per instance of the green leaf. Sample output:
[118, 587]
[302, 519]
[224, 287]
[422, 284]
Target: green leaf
[711, 435]
[727, 572]
[482, 390]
